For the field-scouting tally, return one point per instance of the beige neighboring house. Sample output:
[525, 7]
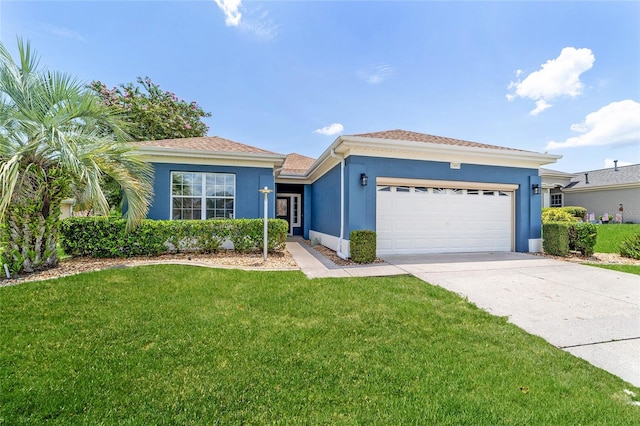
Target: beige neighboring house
[605, 192]
[66, 208]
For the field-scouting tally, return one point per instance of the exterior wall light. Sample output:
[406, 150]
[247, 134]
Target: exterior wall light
[535, 188]
[363, 179]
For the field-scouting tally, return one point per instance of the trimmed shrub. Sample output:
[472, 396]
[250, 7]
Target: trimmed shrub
[555, 214]
[579, 213]
[630, 247]
[106, 237]
[585, 235]
[576, 211]
[363, 246]
[556, 238]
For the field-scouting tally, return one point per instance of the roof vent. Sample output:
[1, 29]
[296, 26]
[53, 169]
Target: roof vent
[586, 178]
[615, 165]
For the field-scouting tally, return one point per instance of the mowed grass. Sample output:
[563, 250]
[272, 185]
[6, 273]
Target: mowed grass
[186, 345]
[629, 269]
[610, 236]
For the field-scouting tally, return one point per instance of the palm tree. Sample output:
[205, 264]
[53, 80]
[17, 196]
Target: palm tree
[55, 134]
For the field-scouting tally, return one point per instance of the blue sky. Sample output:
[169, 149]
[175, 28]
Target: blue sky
[290, 76]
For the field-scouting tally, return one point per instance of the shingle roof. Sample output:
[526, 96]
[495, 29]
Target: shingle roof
[296, 164]
[206, 143]
[405, 135]
[606, 177]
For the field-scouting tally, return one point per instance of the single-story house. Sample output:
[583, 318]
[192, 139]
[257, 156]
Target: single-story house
[420, 193]
[611, 193]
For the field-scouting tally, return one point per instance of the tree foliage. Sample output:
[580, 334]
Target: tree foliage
[152, 113]
[56, 134]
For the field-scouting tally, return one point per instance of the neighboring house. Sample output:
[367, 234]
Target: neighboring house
[420, 193]
[605, 192]
[66, 208]
[553, 182]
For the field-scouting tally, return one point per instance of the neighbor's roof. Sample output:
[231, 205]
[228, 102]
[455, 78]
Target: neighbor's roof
[405, 135]
[205, 143]
[296, 164]
[554, 173]
[625, 175]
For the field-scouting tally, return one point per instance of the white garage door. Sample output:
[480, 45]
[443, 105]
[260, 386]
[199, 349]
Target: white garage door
[430, 219]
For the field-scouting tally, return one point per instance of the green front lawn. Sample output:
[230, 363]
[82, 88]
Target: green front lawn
[610, 236]
[630, 269]
[187, 345]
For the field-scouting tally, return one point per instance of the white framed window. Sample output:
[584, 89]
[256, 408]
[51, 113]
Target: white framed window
[556, 200]
[197, 195]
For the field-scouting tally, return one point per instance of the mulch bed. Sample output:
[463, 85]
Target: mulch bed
[223, 259]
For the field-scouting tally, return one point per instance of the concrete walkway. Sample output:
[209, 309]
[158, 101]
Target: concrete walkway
[315, 265]
[590, 312]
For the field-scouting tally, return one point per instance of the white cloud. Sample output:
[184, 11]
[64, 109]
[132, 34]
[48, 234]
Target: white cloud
[231, 10]
[608, 163]
[557, 77]
[375, 74]
[255, 22]
[330, 130]
[260, 25]
[541, 105]
[64, 32]
[613, 124]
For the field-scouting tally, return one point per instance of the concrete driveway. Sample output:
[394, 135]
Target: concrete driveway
[590, 312]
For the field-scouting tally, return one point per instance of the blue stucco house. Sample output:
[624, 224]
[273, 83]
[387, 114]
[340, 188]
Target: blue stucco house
[420, 193]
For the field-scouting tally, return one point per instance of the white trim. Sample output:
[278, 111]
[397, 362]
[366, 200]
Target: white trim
[196, 160]
[410, 150]
[535, 245]
[390, 181]
[192, 153]
[331, 241]
[294, 222]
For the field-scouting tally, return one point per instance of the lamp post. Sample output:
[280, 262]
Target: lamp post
[266, 192]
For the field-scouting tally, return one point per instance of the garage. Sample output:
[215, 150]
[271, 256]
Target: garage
[429, 216]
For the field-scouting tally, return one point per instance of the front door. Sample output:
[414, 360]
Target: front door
[283, 211]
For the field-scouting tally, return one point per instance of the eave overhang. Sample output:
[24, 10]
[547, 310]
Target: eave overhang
[190, 156]
[611, 187]
[399, 149]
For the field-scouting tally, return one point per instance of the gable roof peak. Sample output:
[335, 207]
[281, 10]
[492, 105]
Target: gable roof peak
[296, 164]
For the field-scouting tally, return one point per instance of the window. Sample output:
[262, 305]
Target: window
[556, 200]
[197, 195]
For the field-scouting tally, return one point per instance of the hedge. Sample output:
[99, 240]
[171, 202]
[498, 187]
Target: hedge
[363, 246]
[557, 215]
[556, 238]
[576, 211]
[560, 237]
[106, 237]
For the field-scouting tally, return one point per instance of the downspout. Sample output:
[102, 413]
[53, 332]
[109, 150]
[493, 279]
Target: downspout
[339, 252]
